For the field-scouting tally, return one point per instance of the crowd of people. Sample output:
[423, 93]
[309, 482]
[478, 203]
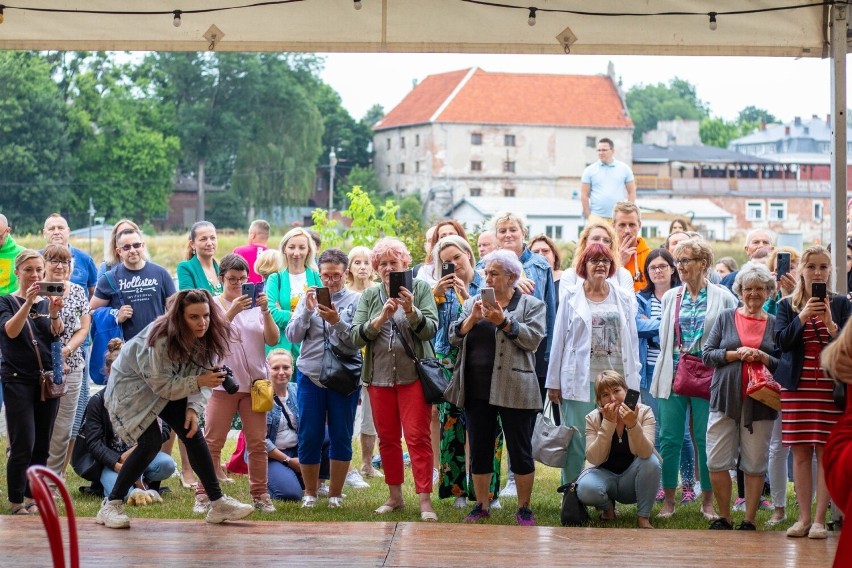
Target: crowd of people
[654, 356]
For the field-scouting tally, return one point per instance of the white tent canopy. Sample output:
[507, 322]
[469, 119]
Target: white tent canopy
[460, 26]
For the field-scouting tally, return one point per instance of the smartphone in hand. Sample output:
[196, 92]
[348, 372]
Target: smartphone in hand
[782, 265]
[631, 399]
[818, 290]
[447, 268]
[402, 279]
[51, 288]
[248, 289]
[324, 296]
[488, 297]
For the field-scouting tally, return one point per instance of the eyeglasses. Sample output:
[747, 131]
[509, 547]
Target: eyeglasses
[236, 280]
[600, 261]
[137, 246]
[331, 277]
[684, 261]
[57, 262]
[660, 268]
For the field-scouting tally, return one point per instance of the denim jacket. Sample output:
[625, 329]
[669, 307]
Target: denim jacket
[273, 417]
[649, 330]
[448, 312]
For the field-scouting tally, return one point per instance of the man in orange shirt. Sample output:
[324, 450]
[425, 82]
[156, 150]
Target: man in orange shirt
[632, 248]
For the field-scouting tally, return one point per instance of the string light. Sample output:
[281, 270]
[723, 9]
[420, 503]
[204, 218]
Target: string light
[357, 4]
[713, 24]
[531, 19]
[176, 22]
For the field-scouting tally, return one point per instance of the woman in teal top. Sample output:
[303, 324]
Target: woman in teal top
[284, 289]
[200, 269]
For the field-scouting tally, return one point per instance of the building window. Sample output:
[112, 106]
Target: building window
[591, 142]
[417, 167]
[508, 140]
[754, 211]
[417, 140]
[649, 232]
[389, 144]
[402, 141]
[818, 210]
[777, 210]
[554, 232]
[476, 192]
[401, 168]
[476, 139]
[508, 192]
[509, 167]
[475, 166]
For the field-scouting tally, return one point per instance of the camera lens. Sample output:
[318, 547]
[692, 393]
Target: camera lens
[230, 384]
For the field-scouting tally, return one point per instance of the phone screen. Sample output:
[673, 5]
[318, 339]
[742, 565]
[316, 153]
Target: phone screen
[631, 399]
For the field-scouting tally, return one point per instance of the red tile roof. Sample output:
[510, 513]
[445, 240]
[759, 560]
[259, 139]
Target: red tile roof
[512, 98]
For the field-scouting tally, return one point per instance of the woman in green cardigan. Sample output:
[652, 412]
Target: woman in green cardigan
[200, 269]
[285, 288]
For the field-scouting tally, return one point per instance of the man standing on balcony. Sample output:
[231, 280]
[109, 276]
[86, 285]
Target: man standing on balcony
[605, 183]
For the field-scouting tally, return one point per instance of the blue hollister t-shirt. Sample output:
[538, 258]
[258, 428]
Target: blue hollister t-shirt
[145, 290]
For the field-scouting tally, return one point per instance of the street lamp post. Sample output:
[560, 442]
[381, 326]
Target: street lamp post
[332, 164]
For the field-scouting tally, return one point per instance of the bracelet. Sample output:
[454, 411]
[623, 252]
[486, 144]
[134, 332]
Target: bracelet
[286, 459]
[503, 324]
[54, 318]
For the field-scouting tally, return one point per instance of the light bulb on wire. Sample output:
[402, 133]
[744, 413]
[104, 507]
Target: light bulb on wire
[357, 4]
[713, 24]
[531, 19]
[177, 22]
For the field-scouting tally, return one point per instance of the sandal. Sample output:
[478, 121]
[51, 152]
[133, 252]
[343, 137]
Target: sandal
[32, 507]
[384, 509]
[18, 509]
[428, 516]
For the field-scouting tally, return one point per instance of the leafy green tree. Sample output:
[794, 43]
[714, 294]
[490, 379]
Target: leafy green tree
[718, 132]
[752, 114]
[373, 115]
[365, 178]
[649, 104]
[33, 141]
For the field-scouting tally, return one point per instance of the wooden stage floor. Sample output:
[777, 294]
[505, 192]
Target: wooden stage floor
[185, 543]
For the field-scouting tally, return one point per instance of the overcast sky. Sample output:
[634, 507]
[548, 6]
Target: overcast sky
[785, 87]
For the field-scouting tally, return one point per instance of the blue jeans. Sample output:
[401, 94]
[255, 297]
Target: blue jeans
[161, 468]
[283, 481]
[638, 484]
[318, 408]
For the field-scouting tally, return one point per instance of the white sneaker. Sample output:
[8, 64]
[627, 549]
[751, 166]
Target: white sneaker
[264, 504]
[202, 504]
[355, 481]
[112, 515]
[227, 509]
[495, 504]
[509, 490]
[335, 502]
[460, 503]
[309, 502]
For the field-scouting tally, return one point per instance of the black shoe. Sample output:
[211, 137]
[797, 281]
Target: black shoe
[90, 491]
[721, 524]
[164, 490]
[746, 526]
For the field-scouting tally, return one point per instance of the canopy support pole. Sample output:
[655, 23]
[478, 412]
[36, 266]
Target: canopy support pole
[839, 25]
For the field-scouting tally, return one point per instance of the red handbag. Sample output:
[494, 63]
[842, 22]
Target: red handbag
[692, 377]
[763, 388]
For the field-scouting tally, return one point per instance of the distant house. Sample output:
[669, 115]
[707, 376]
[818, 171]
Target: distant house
[562, 219]
[473, 133]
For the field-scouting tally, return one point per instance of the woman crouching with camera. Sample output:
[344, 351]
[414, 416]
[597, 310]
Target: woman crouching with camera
[161, 372]
[498, 337]
[620, 448]
[252, 328]
[28, 321]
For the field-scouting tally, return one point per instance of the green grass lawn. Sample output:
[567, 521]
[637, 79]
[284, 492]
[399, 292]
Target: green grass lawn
[359, 504]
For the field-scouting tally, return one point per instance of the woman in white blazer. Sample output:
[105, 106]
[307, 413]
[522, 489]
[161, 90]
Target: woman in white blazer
[595, 331]
[701, 304]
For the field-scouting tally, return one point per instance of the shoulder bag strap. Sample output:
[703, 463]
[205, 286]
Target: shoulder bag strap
[113, 286]
[677, 320]
[408, 350]
[34, 343]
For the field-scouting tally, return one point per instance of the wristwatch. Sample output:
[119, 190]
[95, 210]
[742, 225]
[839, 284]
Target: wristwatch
[286, 459]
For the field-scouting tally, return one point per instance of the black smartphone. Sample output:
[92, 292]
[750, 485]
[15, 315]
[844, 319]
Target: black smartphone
[51, 288]
[324, 296]
[782, 265]
[447, 268]
[818, 290]
[402, 279]
[248, 289]
[631, 399]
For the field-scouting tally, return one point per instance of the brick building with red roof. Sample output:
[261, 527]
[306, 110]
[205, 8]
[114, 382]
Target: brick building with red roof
[476, 133]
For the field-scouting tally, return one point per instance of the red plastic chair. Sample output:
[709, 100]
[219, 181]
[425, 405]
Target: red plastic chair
[38, 477]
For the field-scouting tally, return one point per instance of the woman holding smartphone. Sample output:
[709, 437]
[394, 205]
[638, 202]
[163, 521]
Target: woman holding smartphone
[167, 370]
[806, 322]
[621, 472]
[29, 420]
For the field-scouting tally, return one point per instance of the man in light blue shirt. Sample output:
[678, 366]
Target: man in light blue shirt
[606, 182]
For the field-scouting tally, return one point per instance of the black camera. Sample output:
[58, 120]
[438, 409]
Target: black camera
[229, 383]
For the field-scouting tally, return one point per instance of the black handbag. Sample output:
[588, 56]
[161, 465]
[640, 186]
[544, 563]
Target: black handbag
[340, 373]
[82, 460]
[839, 395]
[430, 371]
[573, 513]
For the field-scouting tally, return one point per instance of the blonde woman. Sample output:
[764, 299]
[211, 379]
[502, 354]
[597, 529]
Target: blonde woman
[359, 274]
[286, 287]
[268, 263]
